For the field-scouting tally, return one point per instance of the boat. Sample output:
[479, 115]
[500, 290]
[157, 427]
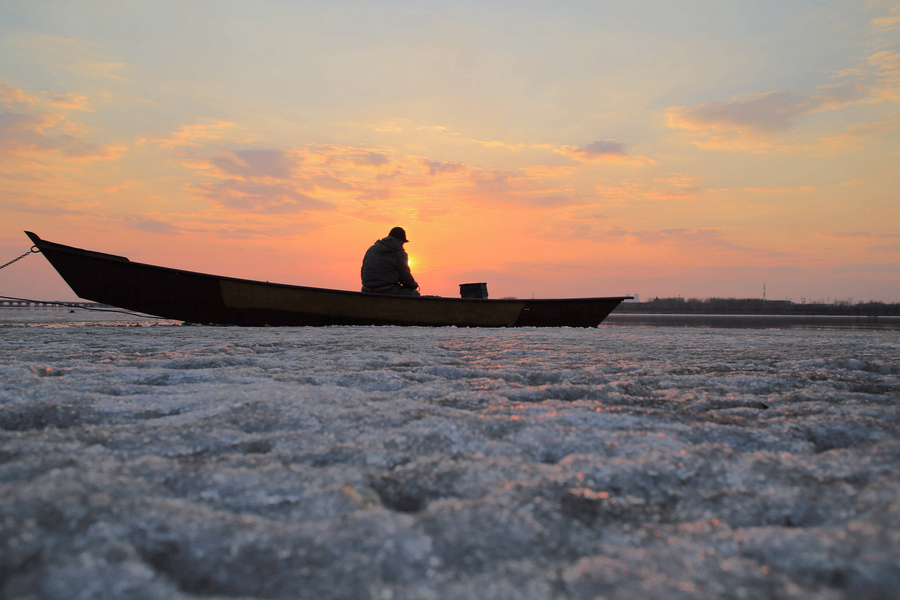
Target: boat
[211, 299]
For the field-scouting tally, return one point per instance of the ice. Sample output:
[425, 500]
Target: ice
[146, 459]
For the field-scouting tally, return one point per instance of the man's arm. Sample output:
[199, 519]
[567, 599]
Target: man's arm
[406, 278]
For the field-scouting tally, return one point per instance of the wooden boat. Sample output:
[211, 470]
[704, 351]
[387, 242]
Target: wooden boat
[202, 298]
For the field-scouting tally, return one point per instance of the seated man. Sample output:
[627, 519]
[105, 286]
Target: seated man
[385, 268]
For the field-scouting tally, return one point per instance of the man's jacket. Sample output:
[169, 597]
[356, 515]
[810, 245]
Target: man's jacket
[386, 263]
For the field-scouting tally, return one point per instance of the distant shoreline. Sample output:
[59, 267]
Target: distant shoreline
[756, 307]
[890, 322]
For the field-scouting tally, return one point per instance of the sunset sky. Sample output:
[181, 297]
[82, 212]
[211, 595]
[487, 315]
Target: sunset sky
[549, 148]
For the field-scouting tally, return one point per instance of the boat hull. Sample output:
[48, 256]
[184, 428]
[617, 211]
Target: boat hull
[203, 298]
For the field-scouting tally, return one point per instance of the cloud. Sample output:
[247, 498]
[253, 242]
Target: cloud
[853, 137]
[151, 225]
[505, 187]
[37, 126]
[260, 197]
[11, 97]
[49, 206]
[25, 133]
[888, 23]
[278, 181]
[857, 235]
[636, 192]
[781, 190]
[612, 151]
[257, 163]
[41, 133]
[67, 101]
[83, 152]
[103, 70]
[767, 113]
[443, 166]
[198, 135]
[895, 247]
[602, 148]
[371, 159]
[836, 95]
[382, 193]
[679, 180]
[887, 65]
[329, 182]
[755, 122]
[492, 181]
[892, 267]
[596, 229]
[702, 236]
[867, 240]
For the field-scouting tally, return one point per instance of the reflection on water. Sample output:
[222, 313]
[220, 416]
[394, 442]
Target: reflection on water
[754, 321]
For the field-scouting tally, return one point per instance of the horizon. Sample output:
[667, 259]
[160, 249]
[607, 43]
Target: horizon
[572, 149]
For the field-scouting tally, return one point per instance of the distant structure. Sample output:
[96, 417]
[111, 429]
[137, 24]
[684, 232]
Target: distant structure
[637, 298]
[37, 304]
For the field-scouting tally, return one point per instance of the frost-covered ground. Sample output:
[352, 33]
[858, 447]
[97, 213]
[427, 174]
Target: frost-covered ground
[166, 461]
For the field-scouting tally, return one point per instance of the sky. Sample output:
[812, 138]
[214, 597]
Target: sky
[564, 148]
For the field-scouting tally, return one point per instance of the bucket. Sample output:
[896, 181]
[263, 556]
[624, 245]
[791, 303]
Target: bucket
[473, 290]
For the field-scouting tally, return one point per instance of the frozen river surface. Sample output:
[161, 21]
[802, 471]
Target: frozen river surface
[153, 460]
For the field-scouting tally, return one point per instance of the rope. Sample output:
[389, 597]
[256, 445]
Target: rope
[34, 250]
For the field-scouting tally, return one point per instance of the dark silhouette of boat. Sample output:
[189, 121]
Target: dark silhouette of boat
[202, 298]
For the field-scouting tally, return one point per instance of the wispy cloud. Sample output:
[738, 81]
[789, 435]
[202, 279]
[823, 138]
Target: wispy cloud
[199, 135]
[11, 97]
[371, 159]
[256, 180]
[742, 123]
[443, 166]
[611, 151]
[597, 228]
[67, 101]
[888, 22]
[494, 186]
[855, 136]
[887, 74]
[759, 122]
[781, 190]
[259, 197]
[868, 235]
[28, 128]
[45, 206]
[601, 150]
[257, 163]
[152, 225]
[870, 242]
[677, 187]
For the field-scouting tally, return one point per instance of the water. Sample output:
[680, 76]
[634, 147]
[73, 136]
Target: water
[754, 321]
[141, 458]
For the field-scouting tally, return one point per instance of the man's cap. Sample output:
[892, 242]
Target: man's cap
[399, 233]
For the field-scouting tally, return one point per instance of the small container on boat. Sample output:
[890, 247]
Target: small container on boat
[473, 290]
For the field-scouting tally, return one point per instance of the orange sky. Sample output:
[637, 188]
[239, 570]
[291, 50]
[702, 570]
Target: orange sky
[556, 149]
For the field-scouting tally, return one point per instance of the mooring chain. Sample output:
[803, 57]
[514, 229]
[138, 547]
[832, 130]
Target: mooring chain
[34, 250]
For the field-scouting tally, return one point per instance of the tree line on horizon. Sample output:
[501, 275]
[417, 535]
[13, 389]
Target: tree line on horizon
[756, 306]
